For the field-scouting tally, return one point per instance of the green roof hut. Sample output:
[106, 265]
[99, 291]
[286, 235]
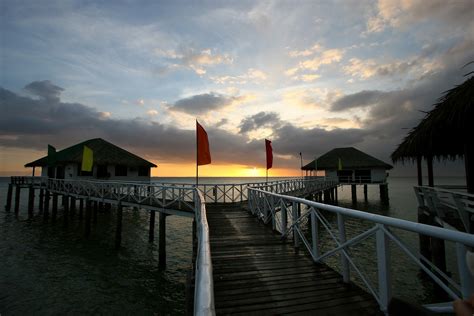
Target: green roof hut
[110, 162]
[350, 165]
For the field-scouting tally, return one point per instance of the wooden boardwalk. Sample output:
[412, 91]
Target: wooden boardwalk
[256, 273]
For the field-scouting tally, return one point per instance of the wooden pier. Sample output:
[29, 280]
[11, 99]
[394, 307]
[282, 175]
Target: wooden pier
[256, 273]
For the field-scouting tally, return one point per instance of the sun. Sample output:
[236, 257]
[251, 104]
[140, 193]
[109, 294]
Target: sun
[252, 172]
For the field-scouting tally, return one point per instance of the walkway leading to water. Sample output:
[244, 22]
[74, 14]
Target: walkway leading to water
[256, 273]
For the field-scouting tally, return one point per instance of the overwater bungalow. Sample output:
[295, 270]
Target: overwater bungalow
[110, 162]
[349, 165]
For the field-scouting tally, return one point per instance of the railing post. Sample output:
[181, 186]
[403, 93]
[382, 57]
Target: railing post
[383, 267]
[342, 239]
[284, 218]
[315, 233]
[466, 278]
[273, 212]
[296, 238]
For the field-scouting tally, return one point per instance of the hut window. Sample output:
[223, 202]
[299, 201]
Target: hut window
[143, 171]
[120, 171]
[102, 171]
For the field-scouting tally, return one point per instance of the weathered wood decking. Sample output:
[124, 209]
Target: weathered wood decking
[256, 273]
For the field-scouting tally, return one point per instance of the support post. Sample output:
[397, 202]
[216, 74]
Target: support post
[383, 267]
[17, 199]
[72, 208]
[151, 232]
[41, 200]
[81, 208]
[429, 162]
[96, 207]
[162, 243]
[118, 231]
[365, 193]
[66, 208]
[419, 171]
[55, 206]
[46, 205]
[342, 239]
[31, 200]
[87, 231]
[8, 205]
[354, 193]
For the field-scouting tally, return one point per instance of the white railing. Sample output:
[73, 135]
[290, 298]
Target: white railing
[204, 284]
[440, 201]
[359, 180]
[289, 214]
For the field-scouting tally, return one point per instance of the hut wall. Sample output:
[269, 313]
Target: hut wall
[331, 173]
[44, 171]
[378, 175]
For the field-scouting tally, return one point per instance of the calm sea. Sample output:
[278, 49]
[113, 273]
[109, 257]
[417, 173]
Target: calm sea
[51, 269]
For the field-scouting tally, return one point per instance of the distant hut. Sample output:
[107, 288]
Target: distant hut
[350, 165]
[109, 162]
[446, 132]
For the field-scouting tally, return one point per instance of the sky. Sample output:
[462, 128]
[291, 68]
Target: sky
[308, 75]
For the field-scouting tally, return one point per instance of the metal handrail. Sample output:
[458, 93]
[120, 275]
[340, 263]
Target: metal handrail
[204, 284]
[266, 203]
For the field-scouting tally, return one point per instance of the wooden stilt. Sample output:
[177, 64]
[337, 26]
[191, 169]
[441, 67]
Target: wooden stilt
[384, 193]
[8, 205]
[118, 231]
[336, 197]
[17, 198]
[72, 208]
[419, 170]
[81, 208]
[96, 209]
[429, 162]
[66, 208]
[46, 205]
[63, 200]
[354, 193]
[162, 243]
[54, 213]
[365, 192]
[87, 231]
[31, 200]
[41, 200]
[151, 232]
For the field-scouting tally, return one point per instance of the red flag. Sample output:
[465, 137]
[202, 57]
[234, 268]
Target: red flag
[203, 152]
[269, 150]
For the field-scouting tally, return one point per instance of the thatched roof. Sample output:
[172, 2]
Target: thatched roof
[445, 130]
[351, 158]
[105, 153]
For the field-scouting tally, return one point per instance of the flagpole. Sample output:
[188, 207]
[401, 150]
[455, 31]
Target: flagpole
[197, 166]
[267, 176]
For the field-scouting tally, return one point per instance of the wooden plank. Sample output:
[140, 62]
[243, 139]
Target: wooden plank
[256, 272]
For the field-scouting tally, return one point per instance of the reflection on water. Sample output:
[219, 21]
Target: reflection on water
[49, 268]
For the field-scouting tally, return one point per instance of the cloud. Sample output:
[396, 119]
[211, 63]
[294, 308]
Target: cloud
[252, 75]
[404, 14]
[203, 103]
[259, 120]
[360, 99]
[196, 60]
[321, 57]
[45, 90]
[306, 52]
[152, 112]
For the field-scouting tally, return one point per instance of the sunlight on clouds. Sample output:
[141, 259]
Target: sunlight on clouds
[252, 75]
[152, 112]
[105, 115]
[327, 57]
[307, 52]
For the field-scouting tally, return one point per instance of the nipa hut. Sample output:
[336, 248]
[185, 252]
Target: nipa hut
[446, 132]
[350, 165]
[109, 162]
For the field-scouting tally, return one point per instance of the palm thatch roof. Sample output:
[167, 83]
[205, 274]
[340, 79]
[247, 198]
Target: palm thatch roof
[105, 153]
[445, 130]
[351, 158]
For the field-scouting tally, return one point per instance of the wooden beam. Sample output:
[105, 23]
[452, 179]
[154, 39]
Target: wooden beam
[429, 162]
[31, 200]
[419, 170]
[8, 205]
[46, 205]
[87, 230]
[151, 232]
[41, 200]
[118, 231]
[17, 198]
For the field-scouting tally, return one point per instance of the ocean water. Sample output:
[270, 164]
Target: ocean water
[48, 268]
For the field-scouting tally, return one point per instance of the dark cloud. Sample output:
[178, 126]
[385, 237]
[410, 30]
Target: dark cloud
[45, 90]
[202, 103]
[259, 120]
[359, 99]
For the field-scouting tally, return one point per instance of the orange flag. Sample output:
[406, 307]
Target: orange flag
[203, 152]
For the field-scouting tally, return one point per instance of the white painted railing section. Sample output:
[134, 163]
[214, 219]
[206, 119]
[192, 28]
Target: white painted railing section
[290, 221]
[204, 284]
